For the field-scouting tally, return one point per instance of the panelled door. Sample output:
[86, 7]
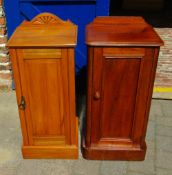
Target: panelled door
[44, 79]
[121, 82]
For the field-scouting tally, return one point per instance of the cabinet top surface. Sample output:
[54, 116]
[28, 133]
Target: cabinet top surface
[45, 30]
[121, 31]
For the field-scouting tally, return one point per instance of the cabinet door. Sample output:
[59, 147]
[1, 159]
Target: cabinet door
[120, 89]
[45, 88]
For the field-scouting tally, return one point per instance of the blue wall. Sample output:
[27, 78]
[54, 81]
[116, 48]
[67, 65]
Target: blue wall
[80, 12]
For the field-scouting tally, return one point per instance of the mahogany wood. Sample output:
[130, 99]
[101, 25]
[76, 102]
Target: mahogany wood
[122, 59]
[42, 55]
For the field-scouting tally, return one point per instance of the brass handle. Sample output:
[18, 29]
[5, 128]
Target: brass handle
[22, 104]
[97, 95]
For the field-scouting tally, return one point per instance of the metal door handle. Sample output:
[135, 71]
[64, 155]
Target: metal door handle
[22, 104]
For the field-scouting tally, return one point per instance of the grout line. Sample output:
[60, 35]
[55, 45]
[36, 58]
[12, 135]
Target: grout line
[164, 168]
[140, 172]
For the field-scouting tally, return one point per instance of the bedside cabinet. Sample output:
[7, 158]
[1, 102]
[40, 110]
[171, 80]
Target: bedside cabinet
[122, 60]
[42, 55]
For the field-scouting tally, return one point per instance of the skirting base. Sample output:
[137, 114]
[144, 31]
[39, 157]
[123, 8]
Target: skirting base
[50, 152]
[113, 153]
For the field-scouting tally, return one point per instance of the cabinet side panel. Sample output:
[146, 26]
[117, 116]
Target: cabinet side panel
[155, 61]
[145, 85]
[73, 117]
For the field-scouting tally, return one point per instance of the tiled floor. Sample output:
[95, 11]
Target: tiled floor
[158, 159]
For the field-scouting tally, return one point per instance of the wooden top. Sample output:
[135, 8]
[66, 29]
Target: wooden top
[121, 31]
[44, 30]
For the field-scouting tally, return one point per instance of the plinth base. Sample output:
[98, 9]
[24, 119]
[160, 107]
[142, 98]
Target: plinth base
[50, 152]
[113, 153]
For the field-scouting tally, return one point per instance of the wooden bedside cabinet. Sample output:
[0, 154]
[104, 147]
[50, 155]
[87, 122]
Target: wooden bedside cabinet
[122, 60]
[42, 55]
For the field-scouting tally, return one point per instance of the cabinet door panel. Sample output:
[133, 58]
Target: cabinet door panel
[116, 79]
[120, 78]
[44, 88]
[45, 96]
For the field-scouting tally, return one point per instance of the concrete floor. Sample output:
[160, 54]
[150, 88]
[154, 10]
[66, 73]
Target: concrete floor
[158, 159]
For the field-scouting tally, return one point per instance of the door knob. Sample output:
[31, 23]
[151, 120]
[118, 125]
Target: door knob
[97, 95]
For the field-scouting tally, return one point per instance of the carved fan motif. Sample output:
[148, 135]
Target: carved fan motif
[46, 18]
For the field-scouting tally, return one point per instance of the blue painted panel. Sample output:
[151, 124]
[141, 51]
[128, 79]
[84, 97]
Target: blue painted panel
[12, 13]
[57, 1]
[28, 10]
[102, 7]
[80, 12]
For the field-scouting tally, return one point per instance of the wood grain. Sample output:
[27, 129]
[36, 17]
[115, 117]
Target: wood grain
[121, 73]
[49, 152]
[121, 31]
[42, 53]
[45, 79]
[51, 34]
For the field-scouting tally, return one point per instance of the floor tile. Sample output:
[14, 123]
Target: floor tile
[161, 171]
[113, 168]
[164, 160]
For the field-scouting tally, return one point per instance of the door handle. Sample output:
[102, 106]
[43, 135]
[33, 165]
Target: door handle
[97, 95]
[22, 104]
